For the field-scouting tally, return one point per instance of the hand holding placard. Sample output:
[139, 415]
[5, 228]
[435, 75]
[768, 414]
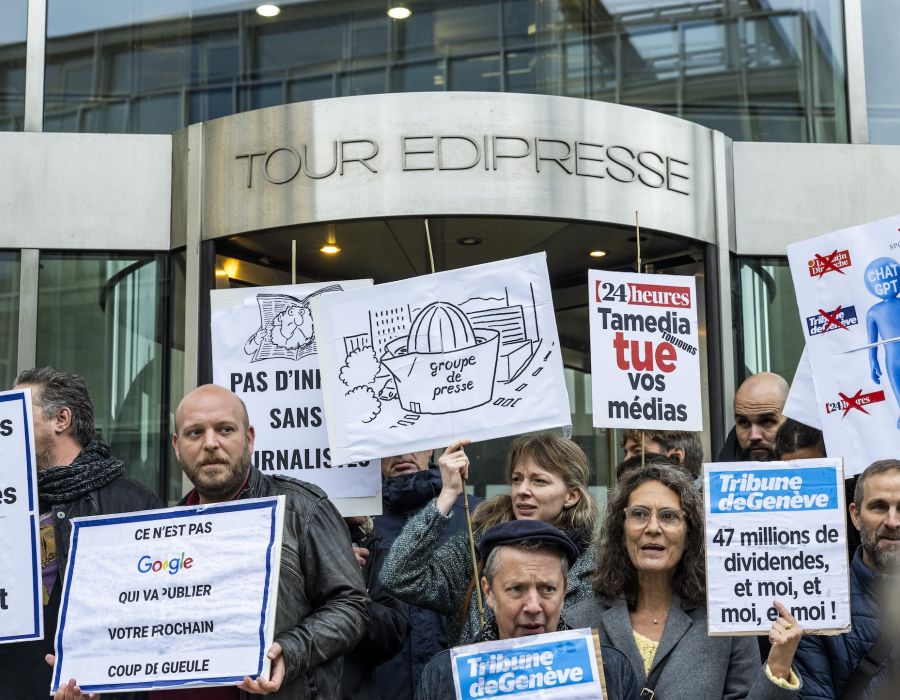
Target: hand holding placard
[454, 465]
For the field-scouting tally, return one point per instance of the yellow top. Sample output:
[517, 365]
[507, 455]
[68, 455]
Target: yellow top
[647, 649]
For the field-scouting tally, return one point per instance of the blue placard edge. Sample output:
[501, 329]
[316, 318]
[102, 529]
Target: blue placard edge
[163, 515]
[37, 602]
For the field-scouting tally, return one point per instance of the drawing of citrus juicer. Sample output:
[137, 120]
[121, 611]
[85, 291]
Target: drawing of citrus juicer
[444, 365]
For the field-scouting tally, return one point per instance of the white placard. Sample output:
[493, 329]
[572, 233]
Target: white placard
[848, 294]
[21, 600]
[264, 350]
[184, 597]
[415, 364]
[554, 666]
[802, 404]
[776, 531]
[645, 351]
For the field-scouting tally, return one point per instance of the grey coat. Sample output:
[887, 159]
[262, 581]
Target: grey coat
[696, 665]
[420, 572]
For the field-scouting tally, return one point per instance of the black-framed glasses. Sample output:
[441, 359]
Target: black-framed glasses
[668, 518]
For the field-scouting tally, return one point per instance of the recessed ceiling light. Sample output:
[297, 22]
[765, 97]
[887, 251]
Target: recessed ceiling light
[330, 249]
[468, 240]
[268, 10]
[399, 11]
[597, 253]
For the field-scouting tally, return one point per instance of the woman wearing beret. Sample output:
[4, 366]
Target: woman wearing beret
[650, 600]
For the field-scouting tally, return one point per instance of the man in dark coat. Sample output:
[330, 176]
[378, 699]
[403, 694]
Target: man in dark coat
[524, 582]
[758, 405]
[77, 477]
[409, 482]
[827, 663]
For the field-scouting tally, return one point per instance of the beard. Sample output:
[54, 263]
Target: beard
[747, 456]
[884, 557]
[223, 484]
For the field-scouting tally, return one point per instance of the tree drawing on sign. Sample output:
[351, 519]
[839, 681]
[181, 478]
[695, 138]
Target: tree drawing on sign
[285, 327]
[443, 358]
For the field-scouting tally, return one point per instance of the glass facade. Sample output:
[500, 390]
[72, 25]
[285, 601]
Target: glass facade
[13, 25]
[769, 71]
[9, 317]
[104, 316]
[770, 335]
[881, 27]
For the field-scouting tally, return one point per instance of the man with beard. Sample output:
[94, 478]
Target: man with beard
[409, 483]
[76, 477]
[758, 403]
[860, 664]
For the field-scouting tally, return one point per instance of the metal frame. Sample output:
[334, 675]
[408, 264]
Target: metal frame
[857, 105]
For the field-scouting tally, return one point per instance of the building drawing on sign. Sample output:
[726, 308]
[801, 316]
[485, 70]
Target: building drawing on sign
[285, 329]
[443, 358]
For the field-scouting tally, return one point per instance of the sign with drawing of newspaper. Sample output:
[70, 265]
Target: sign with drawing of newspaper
[848, 296]
[265, 350]
[184, 597]
[21, 600]
[645, 351]
[554, 666]
[416, 364]
[776, 531]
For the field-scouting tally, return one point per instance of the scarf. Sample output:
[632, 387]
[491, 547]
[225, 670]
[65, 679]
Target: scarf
[91, 469]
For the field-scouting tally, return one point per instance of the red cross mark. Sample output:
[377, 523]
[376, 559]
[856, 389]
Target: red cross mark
[831, 319]
[854, 401]
[828, 262]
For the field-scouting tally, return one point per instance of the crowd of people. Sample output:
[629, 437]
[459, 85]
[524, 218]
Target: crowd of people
[368, 607]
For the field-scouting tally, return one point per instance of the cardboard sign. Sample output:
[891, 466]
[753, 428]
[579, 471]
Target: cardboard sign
[21, 599]
[184, 597]
[416, 364]
[848, 295]
[264, 349]
[549, 666]
[776, 531]
[645, 351]
[802, 402]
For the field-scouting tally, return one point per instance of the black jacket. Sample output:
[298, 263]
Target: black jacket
[24, 675]
[321, 598]
[402, 498]
[386, 633]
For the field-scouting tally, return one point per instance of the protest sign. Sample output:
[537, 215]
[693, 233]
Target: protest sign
[21, 600]
[264, 349]
[644, 351]
[184, 597]
[802, 403]
[848, 294]
[776, 531]
[416, 364]
[555, 666]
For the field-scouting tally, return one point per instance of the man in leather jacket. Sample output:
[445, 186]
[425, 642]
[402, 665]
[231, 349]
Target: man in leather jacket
[321, 596]
[77, 477]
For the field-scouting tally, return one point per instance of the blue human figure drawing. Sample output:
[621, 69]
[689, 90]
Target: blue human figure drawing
[882, 279]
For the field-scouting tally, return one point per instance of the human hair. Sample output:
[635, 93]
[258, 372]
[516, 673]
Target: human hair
[559, 456]
[794, 435]
[642, 460]
[60, 390]
[491, 566]
[879, 467]
[685, 440]
[615, 575]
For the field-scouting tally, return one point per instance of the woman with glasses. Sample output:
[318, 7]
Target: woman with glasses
[547, 476]
[650, 599]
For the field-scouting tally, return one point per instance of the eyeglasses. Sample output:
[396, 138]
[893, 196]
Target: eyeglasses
[668, 518]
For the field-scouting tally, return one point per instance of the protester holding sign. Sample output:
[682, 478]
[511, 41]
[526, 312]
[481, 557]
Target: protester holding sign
[650, 599]
[858, 664]
[77, 476]
[524, 582]
[548, 478]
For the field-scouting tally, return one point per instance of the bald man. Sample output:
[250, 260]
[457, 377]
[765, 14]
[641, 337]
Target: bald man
[757, 416]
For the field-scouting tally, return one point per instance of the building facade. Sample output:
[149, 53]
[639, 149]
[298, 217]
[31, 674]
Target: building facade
[151, 152]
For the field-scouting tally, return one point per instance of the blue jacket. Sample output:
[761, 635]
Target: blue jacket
[402, 498]
[826, 662]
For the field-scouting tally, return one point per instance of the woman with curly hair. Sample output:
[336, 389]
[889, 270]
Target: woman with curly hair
[548, 481]
[650, 599]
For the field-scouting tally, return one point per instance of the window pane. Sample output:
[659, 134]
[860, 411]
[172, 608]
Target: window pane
[13, 21]
[881, 27]
[9, 317]
[102, 316]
